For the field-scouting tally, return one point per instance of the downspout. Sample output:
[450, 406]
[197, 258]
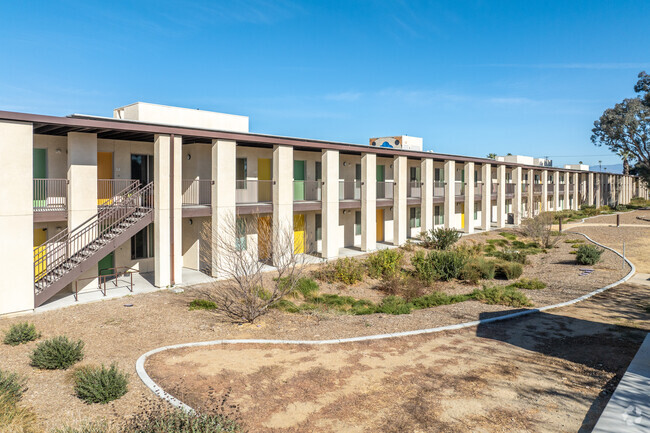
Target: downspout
[172, 210]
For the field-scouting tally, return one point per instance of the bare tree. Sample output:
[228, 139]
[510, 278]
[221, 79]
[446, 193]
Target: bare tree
[243, 292]
[540, 228]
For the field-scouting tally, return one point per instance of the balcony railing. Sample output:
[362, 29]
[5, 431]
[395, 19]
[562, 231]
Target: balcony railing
[385, 189]
[349, 190]
[551, 188]
[524, 188]
[414, 189]
[478, 190]
[510, 188]
[50, 195]
[562, 187]
[307, 190]
[438, 188]
[197, 192]
[459, 188]
[253, 191]
[495, 188]
[537, 188]
[109, 190]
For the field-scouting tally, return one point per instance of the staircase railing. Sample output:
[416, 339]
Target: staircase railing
[70, 244]
[113, 191]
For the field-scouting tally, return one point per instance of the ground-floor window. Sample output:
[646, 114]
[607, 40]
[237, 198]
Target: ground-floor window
[142, 244]
[415, 217]
[240, 242]
[438, 216]
[357, 223]
[319, 227]
[476, 206]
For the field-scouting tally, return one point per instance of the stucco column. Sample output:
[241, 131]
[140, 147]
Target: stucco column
[591, 188]
[368, 202]
[282, 197]
[544, 190]
[330, 203]
[426, 169]
[531, 193]
[162, 210]
[576, 191]
[224, 206]
[501, 196]
[486, 197]
[177, 208]
[450, 193]
[400, 210]
[16, 217]
[516, 202]
[556, 191]
[599, 190]
[469, 197]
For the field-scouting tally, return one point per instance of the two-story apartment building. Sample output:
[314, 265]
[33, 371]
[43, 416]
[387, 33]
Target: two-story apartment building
[82, 195]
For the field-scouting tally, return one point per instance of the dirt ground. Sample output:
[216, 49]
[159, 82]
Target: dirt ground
[113, 332]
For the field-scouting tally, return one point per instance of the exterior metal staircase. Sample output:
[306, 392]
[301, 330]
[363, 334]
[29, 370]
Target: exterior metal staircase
[66, 256]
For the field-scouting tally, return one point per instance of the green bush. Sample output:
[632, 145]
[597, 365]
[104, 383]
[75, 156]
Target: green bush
[57, 353]
[508, 270]
[424, 268]
[21, 333]
[304, 287]
[511, 256]
[345, 270]
[621, 208]
[384, 263]
[500, 295]
[478, 269]
[448, 264]
[588, 255]
[393, 305]
[437, 298]
[509, 236]
[100, 384]
[529, 284]
[202, 304]
[12, 386]
[440, 238]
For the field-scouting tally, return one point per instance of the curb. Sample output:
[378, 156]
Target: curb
[156, 389]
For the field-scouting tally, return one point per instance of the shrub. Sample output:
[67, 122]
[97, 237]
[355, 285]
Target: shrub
[621, 208]
[57, 353]
[447, 264]
[529, 284]
[12, 386]
[424, 269]
[511, 256]
[588, 255]
[478, 269]
[437, 298]
[384, 263]
[15, 418]
[21, 333]
[509, 236]
[440, 238]
[501, 295]
[202, 304]
[304, 287]
[345, 270]
[94, 427]
[401, 285]
[175, 420]
[100, 384]
[539, 229]
[508, 270]
[393, 305]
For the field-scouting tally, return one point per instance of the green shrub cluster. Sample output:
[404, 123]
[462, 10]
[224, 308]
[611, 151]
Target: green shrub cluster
[529, 284]
[508, 270]
[202, 304]
[57, 353]
[439, 265]
[385, 263]
[345, 270]
[501, 295]
[21, 333]
[98, 384]
[305, 286]
[440, 238]
[478, 268]
[588, 254]
[511, 256]
[12, 386]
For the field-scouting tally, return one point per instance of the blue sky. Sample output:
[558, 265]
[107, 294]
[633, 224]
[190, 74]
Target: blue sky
[470, 77]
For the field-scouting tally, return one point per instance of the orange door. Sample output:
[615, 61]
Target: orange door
[380, 225]
[104, 171]
[264, 237]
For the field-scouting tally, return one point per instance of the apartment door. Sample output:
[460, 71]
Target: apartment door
[380, 225]
[106, 265]
[265, 187]
[462, 215]
[104, 171]
[40, 237]
[40, 172]
[264, 246]
[381, 178]
[299, 180]
[299, 233]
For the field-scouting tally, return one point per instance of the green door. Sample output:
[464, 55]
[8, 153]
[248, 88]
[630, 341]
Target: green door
[106, 265]
[299, 180]
[40, 172]
[381, 187]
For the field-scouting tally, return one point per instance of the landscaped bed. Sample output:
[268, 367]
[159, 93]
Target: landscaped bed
[114, 333]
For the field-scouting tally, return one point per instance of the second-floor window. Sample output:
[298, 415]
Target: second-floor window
[415, 217]
[415, 174]
[241, 172]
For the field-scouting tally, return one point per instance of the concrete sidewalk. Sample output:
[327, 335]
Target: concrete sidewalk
[628, 409]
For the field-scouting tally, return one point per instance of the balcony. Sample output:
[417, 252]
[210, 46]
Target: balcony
[510, 188]
[50, 195]
[524, 188]
[414, 189]
[438, 188]
[307, 190]
[494, 190]
[349, 190]
[197, 192]
[551, 188]
[459, 188]
[478, 190]
[254, 191]
[537, 188]
[562, 187]
[385, 189]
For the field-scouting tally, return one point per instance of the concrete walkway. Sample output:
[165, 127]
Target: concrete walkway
[628, 409]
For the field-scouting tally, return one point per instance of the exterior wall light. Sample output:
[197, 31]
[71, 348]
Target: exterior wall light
[189, 156]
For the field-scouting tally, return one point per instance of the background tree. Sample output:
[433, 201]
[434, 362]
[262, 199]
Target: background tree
[625, 129]
[625, 156]
[492, 155]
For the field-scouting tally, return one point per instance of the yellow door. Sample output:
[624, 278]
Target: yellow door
[40, 237]
[380, 225]
[299, 233]
[264, 237]
[264, 188]
[104, 171]
[462, 215]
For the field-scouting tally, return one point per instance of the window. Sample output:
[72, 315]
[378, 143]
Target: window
[142, 244]
[240, 242]
[415, 174]
[319, 170]
[439, 175]
[415, 218]
[241, 172]
[142, 168]
[319, 227]
[438, 216]
[357, 172]
[357, 223]
[476, 206]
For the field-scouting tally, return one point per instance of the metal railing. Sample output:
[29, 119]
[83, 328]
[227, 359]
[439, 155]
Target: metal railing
[414, 189]
[524, 187]
[510, 188]
[50, 195]
[561, 187]
[197, 192]
[307, 190]
[74, 246]
[478, 190]
[103, 279]
[111, 191]
[459, 187]
[537, 188]
[495, 188]
[349, 190]
[254, 191]
[385, 189]
[438, 188]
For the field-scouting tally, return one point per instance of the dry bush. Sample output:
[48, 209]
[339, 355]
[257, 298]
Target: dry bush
[539, 228]
[244, 294]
